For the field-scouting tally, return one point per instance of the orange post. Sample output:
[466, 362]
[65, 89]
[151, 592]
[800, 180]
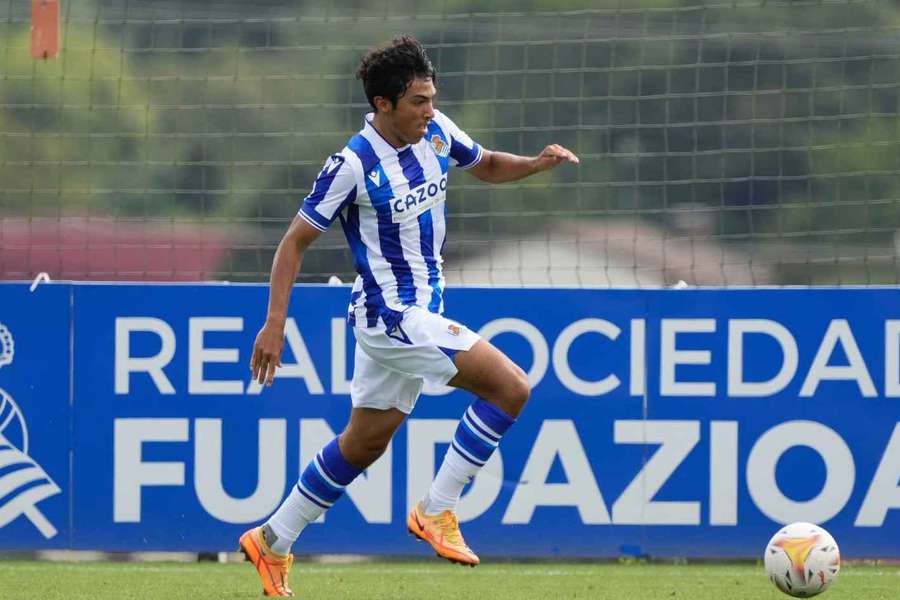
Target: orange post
[44, 28]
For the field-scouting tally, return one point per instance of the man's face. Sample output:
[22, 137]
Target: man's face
[415, 108]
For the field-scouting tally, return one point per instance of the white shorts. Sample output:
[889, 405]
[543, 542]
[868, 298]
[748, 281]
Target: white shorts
[390, 367]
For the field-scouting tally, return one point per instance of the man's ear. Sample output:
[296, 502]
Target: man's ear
[383, 104]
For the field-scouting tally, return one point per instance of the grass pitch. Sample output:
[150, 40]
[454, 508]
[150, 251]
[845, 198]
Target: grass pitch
[21, 580]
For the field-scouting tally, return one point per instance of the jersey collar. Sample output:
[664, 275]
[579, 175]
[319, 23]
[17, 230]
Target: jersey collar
[370, 127]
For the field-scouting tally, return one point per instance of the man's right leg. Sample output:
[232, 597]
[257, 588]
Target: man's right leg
[321, 484]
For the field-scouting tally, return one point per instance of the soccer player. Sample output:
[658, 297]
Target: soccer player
[387, 187]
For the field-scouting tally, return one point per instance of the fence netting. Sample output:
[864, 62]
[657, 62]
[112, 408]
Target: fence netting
[727, 144]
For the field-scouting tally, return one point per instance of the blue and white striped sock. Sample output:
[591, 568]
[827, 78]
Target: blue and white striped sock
[321, 484]
[476, 438]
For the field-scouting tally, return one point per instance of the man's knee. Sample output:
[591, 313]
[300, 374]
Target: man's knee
[361, 449]
[514, 393]
[520, 389]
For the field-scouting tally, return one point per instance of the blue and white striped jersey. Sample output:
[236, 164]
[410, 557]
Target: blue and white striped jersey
[391, 205]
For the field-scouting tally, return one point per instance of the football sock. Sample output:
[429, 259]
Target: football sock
[321, 484]
[476, 438]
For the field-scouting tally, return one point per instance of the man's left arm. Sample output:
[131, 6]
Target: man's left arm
[500, 167]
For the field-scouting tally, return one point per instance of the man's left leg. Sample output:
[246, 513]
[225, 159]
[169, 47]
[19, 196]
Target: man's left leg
[502, 390]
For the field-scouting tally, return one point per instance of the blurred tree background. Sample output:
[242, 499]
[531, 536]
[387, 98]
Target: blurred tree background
[768, 129]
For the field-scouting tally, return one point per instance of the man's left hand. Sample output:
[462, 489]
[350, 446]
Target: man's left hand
[552, 156]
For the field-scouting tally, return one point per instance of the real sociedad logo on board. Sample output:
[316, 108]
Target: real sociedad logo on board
[23, 483]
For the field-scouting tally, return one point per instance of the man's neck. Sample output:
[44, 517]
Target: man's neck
[385, 131]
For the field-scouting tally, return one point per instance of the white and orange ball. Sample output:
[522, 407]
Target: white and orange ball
[802, 560]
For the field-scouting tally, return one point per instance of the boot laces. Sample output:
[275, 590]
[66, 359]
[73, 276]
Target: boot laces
[449, 525]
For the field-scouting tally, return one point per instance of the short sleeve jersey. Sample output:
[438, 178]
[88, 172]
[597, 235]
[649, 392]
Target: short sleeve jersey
[391, 204]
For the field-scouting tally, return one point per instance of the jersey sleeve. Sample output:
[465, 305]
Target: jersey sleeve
[335, 188]
[464, 152]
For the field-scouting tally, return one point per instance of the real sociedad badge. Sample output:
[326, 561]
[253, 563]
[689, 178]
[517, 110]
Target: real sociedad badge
[23, 480]
[440, 147]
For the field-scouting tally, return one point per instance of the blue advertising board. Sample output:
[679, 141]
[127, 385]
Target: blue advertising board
[661, 422]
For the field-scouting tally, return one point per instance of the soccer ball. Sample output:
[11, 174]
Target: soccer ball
[802, 560]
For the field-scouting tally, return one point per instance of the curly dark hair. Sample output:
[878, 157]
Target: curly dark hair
[390, 70]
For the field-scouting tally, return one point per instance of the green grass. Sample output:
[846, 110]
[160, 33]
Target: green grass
[21, 580]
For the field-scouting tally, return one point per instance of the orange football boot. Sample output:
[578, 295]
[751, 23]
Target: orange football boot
[442, 532]
[272, 568]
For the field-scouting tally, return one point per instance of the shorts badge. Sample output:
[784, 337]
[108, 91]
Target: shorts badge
[453, 329]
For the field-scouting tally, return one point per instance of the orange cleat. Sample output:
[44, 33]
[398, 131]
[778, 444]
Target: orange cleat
[272, 568]
[442, 532]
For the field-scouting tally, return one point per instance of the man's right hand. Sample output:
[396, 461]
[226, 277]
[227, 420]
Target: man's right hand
[285, 266]
[267, 353]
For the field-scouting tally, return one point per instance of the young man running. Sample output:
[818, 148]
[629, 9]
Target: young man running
[387, 187]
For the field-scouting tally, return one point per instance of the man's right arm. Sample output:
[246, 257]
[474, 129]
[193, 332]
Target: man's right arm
[269, 343]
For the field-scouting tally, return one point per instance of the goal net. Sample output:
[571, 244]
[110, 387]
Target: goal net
[727, 144]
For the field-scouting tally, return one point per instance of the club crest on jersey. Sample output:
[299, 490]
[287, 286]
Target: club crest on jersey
[440, 147]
